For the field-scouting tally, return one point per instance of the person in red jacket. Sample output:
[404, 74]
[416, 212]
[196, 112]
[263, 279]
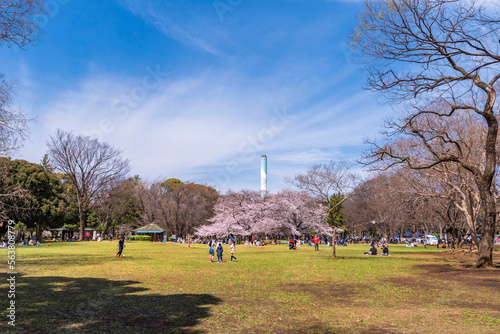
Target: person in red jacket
[316, 241]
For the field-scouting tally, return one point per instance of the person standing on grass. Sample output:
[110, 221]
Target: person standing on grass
[316, 242]
[121, 244]
[219, 252]
[233, 248]
[211, 252]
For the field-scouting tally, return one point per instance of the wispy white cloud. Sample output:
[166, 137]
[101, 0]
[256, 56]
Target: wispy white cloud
[192, 127]
[201, 126]
[175, 20]
[310, 156]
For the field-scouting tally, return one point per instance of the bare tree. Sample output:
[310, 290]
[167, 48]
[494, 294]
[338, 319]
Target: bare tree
[445, 52]
[323, 181]
[447, 198]
[18, 21]
[119, 204]
[187, 206]
[384, 203]
[179, 207]
[91, 167]
[19, 27]
[446, 181]
[13, 125]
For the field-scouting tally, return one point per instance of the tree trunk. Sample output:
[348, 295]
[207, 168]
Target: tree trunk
[486, 217]
[474, 245]
[81, 216]
[460, 241]
[189, 240]
[487, 222]
[38, 233]
[334, 255]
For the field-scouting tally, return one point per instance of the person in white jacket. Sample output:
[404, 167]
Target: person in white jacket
[233, 248]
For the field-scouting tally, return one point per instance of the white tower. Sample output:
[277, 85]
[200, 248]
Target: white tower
[263, 176]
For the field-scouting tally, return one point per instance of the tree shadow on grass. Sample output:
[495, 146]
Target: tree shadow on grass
[316, 327]
[67, 260]
[471, 277]
[98, 305]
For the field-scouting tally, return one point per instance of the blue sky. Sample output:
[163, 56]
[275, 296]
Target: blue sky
[198, 90]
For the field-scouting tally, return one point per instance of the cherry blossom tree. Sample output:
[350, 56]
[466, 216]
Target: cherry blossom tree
[285, 213]
[234, 215]
[292, 213]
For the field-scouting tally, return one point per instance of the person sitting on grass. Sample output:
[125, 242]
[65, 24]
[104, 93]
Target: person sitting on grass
[373, 251]
[385, 250]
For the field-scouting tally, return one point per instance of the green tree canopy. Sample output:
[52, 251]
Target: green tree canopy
[45, 194]
[336, 216]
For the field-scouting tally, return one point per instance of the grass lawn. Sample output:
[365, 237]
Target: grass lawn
[81, 287]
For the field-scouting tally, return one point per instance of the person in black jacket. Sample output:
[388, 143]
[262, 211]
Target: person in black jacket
[373, 251]
[385, 250]
[121, 244]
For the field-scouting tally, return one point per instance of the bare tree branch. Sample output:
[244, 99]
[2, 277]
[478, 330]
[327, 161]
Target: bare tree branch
[90, 165]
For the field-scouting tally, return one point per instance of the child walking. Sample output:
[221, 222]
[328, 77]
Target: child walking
[219, 252]
[233, 248]
[121, 244]
[211, 245]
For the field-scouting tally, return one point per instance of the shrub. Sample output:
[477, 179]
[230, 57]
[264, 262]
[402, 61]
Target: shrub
[140, 238]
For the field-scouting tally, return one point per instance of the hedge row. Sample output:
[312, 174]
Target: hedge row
[140, 238]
